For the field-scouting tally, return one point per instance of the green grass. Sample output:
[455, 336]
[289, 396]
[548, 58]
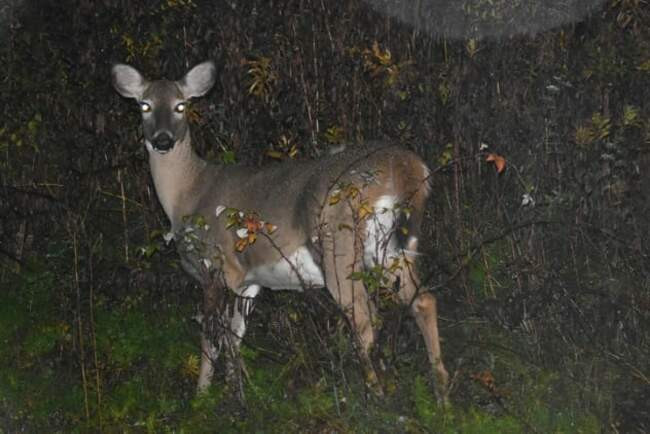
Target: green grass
[147, 354]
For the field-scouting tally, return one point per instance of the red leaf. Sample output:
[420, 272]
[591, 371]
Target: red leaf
[498, 160]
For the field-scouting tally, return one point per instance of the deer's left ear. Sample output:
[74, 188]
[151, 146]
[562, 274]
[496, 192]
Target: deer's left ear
[199, 80]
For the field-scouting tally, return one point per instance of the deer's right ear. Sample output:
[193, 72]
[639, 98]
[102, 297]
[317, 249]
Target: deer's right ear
[128, 81]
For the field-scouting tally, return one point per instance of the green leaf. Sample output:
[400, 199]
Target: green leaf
[228, 157]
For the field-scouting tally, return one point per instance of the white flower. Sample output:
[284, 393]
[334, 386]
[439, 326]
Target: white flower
[242, 232]
[168, 237]
[527, 199]
[219, 210]
[483, 147]
[198, 317]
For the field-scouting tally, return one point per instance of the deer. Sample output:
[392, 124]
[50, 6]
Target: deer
[295, 225]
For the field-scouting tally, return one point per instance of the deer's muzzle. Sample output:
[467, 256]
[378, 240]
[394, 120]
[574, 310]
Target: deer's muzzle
[163, 142]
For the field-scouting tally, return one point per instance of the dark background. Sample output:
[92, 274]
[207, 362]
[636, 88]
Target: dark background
[544, 305]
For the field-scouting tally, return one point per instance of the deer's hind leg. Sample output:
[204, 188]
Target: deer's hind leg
[424, 309]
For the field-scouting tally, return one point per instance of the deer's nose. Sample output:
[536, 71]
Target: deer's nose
[163, 142]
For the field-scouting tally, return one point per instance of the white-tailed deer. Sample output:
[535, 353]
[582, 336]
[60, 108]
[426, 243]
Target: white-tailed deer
[295, 225]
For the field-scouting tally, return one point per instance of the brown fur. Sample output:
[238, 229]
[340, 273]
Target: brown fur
[316, 205]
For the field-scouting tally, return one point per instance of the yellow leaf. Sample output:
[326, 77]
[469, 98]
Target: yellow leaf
[584, 136]
[396, 265]
[383, 57]
[191, 366]
[335, 198]
[472, 47]
[364, 210]
[644, 66]
[240, 245]
[275, 154]
[351, 192]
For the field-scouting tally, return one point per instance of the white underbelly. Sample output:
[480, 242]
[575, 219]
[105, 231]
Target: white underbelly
[298, 271]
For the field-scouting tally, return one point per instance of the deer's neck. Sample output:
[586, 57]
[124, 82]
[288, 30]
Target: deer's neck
[177, 176]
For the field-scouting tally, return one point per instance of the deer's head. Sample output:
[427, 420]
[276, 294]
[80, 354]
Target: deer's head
[163, 103]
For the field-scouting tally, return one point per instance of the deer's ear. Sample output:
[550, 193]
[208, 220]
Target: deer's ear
[128, 81]
[199, 80]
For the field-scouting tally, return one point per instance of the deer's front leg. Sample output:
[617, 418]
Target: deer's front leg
[225, 323]
[211, 306]
[234, 317]
[208, 357]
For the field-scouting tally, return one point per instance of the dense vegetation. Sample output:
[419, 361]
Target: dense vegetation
[542, 270]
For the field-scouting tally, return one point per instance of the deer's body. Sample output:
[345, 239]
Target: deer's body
[339, 215]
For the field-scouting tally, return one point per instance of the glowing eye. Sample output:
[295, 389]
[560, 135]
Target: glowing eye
[146, 108]
[180, 108]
